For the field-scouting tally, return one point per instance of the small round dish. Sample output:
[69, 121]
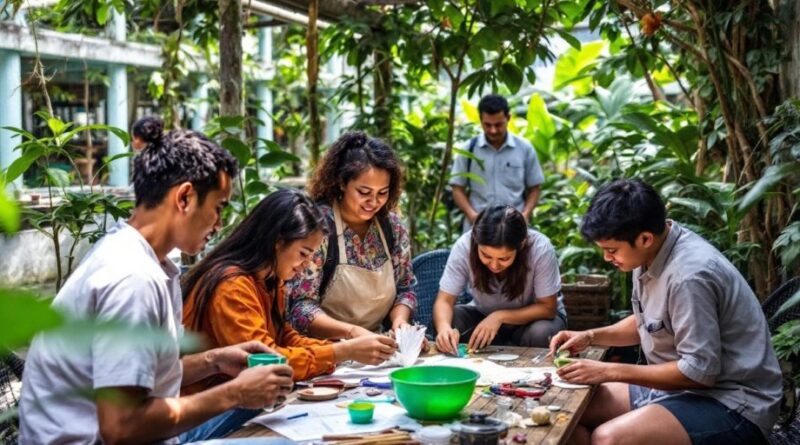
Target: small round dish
[318, 393]
[503, 357]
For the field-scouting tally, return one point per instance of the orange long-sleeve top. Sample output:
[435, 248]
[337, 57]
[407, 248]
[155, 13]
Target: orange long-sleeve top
[240, 311]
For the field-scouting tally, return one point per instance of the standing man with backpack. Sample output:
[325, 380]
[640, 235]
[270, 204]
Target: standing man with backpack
[507, 164]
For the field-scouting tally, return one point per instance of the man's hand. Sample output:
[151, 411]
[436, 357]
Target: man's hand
[485, 332]
[447, 341]
[572, 341]
[587, 372]
[231, 360]
[263, 386]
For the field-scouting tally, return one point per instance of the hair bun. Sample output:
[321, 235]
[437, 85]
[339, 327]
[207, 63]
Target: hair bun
[153, 131]
[150, 129]
[356, 139]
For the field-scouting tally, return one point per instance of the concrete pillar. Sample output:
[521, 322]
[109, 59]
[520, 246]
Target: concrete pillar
[117, 107]
[333, 124]
[200, 98]
[10, 107]
[263, 93]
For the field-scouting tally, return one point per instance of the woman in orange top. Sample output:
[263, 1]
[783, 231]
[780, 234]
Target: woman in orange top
[235, 293]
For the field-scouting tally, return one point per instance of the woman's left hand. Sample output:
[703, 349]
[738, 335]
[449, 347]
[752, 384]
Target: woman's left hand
[485, 332]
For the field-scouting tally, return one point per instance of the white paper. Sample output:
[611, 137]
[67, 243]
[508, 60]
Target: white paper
[409, 344]
[326, 418]
[491, 373]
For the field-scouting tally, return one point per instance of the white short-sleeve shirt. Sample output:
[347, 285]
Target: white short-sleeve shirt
[121, 281]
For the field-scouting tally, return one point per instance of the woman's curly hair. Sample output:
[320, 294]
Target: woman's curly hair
[351, 155]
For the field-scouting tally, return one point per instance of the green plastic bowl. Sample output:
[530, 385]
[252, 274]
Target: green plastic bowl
[433, 392]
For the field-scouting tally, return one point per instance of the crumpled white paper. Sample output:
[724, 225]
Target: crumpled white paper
[409, 344]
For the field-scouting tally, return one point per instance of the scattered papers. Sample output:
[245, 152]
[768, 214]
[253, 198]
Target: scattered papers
[491, 373]
[409, 344]
[326, 418]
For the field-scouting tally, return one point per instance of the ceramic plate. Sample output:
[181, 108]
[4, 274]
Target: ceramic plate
[319, 393]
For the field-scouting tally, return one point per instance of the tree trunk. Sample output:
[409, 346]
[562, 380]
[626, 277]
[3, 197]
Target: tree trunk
[230, 58]
[382, 91]
[789, 10]
[312, 54]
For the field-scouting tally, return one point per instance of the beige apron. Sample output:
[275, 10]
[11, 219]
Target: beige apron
[357, 295]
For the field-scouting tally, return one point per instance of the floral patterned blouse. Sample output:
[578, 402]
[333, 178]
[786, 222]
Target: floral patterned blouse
[303, 293]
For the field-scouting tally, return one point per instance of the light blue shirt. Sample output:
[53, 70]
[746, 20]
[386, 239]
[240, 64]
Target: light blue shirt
[507, 173]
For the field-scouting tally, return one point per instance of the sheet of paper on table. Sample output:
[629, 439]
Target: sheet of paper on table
[326, 418]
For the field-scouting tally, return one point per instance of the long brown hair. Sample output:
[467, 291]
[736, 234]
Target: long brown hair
[282, 217]
[352, 154]
[500, 226]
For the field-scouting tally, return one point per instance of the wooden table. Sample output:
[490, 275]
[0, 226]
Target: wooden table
[572, 401]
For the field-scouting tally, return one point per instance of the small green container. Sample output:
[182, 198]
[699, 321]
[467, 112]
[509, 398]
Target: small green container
[265, 358]
[361, 412]
[433, 392]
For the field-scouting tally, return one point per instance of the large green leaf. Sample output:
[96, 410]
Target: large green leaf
[276, 159]
[697, 206]
[571, 66]
[512, 76]
[21, 164]
[539, 119]
[773, 175]
[238, 149]
[23, 315]
[57, 177]
[9, 212]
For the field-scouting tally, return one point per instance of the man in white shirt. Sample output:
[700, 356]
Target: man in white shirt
[125, 388]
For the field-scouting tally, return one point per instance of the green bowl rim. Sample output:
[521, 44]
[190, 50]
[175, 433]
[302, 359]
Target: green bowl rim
[474, 378]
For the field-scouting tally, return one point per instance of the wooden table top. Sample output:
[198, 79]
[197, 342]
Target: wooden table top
[572, 401]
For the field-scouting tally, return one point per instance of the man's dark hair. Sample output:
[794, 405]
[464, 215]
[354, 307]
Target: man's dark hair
[493, 104]
[622, 210]
[176, 157]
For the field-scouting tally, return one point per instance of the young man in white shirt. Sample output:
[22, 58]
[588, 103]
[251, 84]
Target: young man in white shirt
[126, 388]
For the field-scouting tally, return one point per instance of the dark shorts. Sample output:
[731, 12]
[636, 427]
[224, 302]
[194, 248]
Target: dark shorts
[707, 421]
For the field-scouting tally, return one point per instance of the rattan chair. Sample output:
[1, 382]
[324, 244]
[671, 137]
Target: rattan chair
[11, 368]
[428, 268]
[786, 431]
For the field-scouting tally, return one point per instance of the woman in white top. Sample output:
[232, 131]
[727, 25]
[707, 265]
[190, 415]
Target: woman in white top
[512, 273]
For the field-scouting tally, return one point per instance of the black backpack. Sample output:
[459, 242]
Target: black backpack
[332, 257]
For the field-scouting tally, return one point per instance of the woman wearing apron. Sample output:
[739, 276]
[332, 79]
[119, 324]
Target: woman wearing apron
[361, 279]
[236, 293]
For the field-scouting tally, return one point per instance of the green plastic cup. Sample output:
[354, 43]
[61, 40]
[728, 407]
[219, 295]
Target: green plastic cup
[433, 392]
[265, 358]
[361, 412]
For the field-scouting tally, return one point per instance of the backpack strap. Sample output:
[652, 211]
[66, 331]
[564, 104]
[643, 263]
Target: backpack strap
[472, 143]
[331, 256]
